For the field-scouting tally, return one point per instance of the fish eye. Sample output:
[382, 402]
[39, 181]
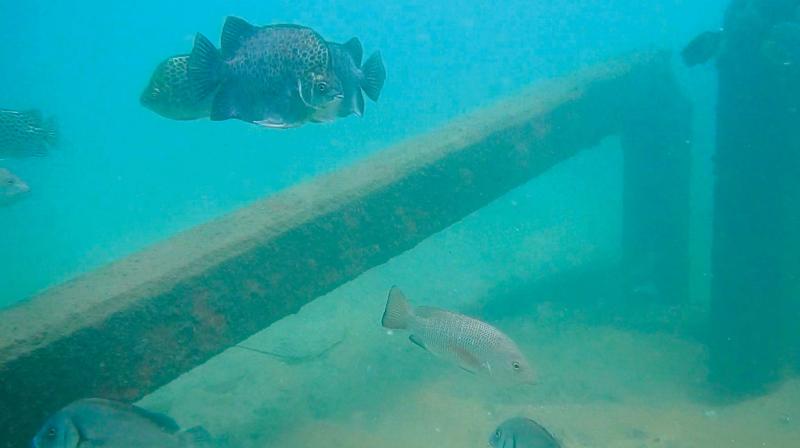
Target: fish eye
[497, 434]
[51, 433]
[515, 365]
[322, 87]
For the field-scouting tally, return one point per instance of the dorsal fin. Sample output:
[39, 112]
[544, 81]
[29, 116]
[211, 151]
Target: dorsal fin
[164, 422]
[354, 48]
[234, 32]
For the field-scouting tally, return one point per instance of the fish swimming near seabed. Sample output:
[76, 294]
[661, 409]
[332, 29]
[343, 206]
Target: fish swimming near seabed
[355, 78]
[521, 432]
[26, 133]
[474, 345]
[170, 93]
[274, 76]
[96, 422]
[12, 187]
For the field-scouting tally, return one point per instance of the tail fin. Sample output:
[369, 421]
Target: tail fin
[205, 63]
[398, 311]
[374, 76]
[50, 128]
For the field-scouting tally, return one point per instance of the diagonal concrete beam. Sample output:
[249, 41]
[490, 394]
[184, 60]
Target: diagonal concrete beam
[133, 326]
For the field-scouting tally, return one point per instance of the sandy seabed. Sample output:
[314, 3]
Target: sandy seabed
[599, 386]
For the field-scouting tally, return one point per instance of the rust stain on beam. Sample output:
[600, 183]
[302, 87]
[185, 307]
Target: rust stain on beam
[131, 327]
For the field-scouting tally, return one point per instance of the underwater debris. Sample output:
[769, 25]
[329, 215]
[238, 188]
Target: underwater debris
[293, 359]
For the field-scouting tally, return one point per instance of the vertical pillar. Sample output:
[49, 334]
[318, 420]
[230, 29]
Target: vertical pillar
[656, 143]
[756, 230]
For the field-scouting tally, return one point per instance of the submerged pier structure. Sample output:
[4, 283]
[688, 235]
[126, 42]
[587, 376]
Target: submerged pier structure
[126, 329]
[755, 304]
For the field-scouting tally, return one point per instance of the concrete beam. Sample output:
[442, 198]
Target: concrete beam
[126, 329]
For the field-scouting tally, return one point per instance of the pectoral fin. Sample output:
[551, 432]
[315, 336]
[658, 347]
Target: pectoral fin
[467, 360]
[304, 93]
[416, 341]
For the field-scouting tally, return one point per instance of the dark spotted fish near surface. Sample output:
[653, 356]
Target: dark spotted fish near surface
[274, 76]
[521, 432]
[26, 133]
[474, 345]
[171, 94]
[96, 422]
[12, 187]
[355, 78]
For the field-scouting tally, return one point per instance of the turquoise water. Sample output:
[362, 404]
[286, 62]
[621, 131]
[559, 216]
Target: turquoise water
[541, 263]
[125, 177]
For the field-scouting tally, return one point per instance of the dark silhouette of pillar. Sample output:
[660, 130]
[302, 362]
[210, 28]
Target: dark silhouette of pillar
[656, 144]
[756, 229]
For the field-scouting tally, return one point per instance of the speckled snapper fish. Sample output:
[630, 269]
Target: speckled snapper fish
[96, 422]
[476, 346]
[354, 77]
[521, 432]
[11, 187]
[170, 93]
[26, 133]
[274, 76]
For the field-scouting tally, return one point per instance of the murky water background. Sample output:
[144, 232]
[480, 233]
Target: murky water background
[125, 178]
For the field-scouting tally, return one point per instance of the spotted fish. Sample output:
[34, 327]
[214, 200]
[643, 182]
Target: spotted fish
[170, 93]
[26, 134]
[96, 422]
[354, 78]
[474, 345]
[521, 432]
[274, 76]
[11, 187]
